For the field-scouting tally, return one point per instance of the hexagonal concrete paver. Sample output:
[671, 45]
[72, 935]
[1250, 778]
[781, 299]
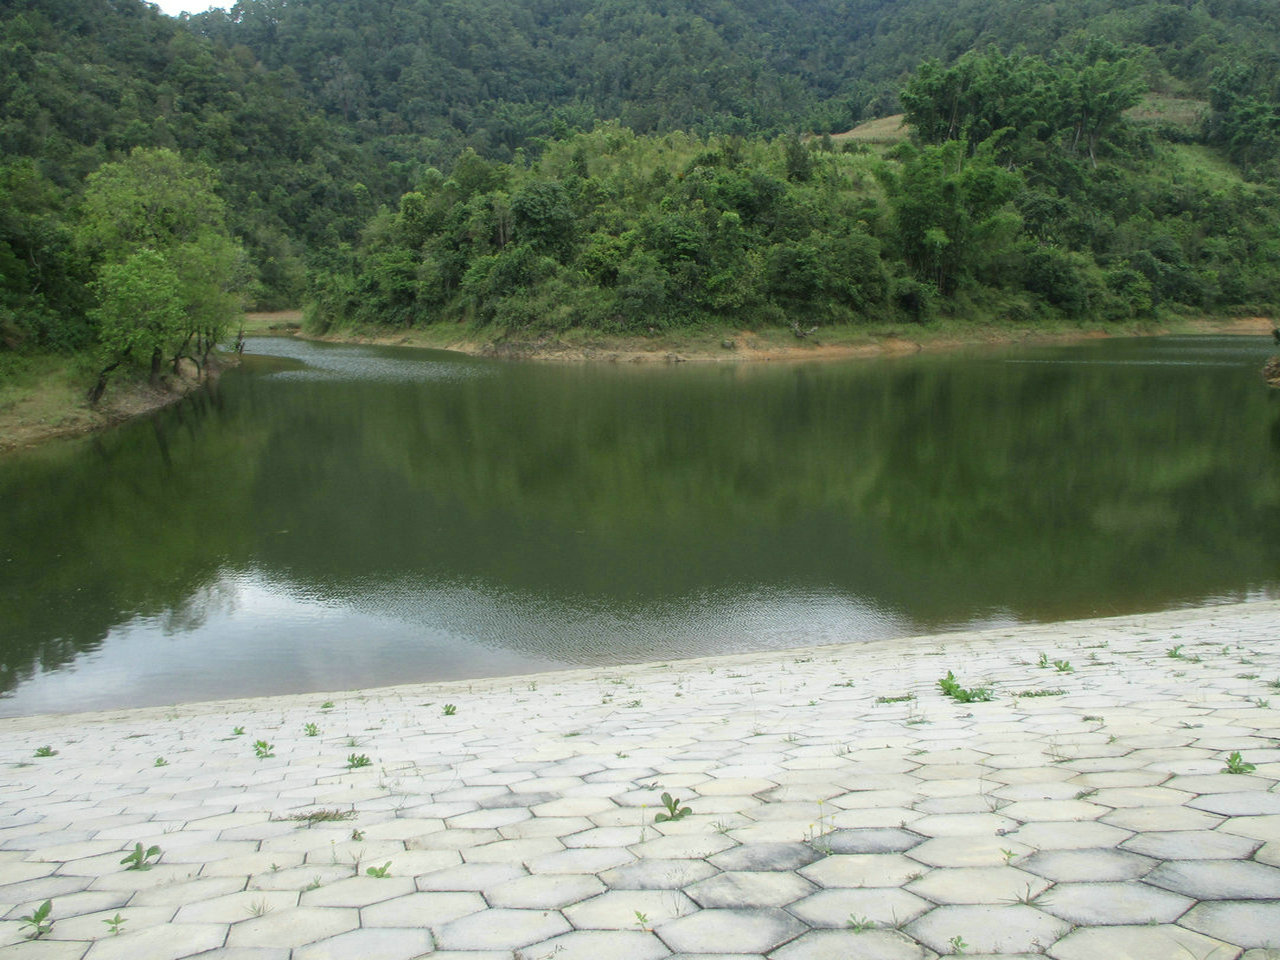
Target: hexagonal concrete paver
[1192, 845]
[978, 885]
[730, 931]
[1245, 923]
[599, 944]
[423, 909]
[628, 909]
[385, 943]
[1065, 866]
[988, 929]
[501, 929]
[766, 856]
[883, 906]
[294, 927]
[743, 889]
[544, 891]
[1138, 943]
[1103, 904]
[848, 945]
[863, 870]
[1218, 879]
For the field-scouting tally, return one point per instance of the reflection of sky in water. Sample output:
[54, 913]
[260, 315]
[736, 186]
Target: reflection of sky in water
[377, 364]
[266, 638]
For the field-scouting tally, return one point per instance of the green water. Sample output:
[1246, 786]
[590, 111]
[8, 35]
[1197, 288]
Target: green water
[335, 516]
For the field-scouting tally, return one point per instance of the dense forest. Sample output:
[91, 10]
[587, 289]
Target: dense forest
[538, 164]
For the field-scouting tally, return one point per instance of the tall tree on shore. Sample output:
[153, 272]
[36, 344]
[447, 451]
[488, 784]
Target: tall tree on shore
[168, 273]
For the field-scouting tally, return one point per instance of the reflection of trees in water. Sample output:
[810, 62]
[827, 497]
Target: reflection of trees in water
[938, 487]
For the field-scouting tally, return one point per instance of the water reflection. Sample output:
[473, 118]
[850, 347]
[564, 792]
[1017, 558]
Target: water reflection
[344, 516]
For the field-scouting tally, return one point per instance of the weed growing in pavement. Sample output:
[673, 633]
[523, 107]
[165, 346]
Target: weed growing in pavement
[311, 730]
[450, 709]
[320, 816]
[1063, 666]
[38, 920]
[327, 705]
[262, 750]
[859, 924]
[1043, 661]
[957, 944]
[1236, 764]
[381, 872]
[114, 924]
[358, 760]
[161, 762]
[1040, 693]
[903, 698]
[138, 858]
[674, 810]
[951, 687]
[237, 731]
[259, 907]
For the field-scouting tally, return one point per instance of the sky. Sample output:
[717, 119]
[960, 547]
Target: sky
[175, 7]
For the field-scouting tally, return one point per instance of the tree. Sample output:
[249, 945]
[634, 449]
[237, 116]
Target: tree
[155, 211]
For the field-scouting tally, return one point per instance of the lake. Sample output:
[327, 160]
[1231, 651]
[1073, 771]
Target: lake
[331, 517]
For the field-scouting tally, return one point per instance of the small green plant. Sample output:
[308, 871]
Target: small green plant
[951, 687]
[311, 730]
[1043, 661]
[674, 810]
[642, 921]
[957, 944]
[259, 907]
[1063, 666]
[46, 751]
[1086, 794]
[161, 762]
[237, 731]
[314, 884]
[262, 750]
[321, 816]
[1009, 855]
[1174, 652]
[903, 698]
[358, 760]
[1237, 764]
[114, 924]
[138, 859]
[381, 872]
[1040, 693]
[450, 709]
[859, 924]
[357, 835]
[327, 705]
[38, 920]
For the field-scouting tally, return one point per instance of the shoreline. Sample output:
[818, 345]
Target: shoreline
[29, 420]
[752, 346]
[32, 420]
[1119, 795]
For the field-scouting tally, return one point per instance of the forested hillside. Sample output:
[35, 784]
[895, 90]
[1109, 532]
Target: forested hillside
[535, 163]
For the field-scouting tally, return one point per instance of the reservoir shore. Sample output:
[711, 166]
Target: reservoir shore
[40, 409]
[1115, 798]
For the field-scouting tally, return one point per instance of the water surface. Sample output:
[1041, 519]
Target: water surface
[340, 516]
